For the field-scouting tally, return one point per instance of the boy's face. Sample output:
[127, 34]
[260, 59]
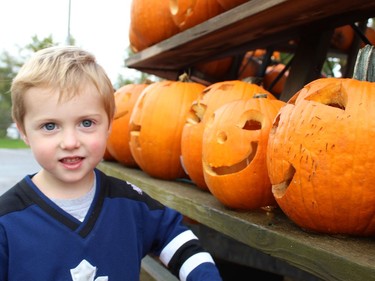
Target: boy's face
[68, 138]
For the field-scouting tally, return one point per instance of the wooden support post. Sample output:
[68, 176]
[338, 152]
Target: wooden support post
[307, 62]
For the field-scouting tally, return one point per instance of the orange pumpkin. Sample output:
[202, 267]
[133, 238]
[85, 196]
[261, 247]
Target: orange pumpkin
[321, 156]
[234, 153]
[271, 75]
[188, 13]
[118, 140]
[107, 156]
[343, 37]
[217, 68]
[156, 125]
[208, 101]
[370, 35]
[252, 62]
[150, 23]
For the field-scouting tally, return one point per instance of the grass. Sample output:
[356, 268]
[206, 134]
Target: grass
[10, 143]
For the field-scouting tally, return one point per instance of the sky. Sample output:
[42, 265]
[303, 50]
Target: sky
[98, 26]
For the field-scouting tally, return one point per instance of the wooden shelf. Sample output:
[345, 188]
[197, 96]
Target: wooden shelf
[327, 257]
[254, 24]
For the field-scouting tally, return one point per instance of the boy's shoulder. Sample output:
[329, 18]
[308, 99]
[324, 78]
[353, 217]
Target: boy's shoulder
[118, 188]
[15, 199]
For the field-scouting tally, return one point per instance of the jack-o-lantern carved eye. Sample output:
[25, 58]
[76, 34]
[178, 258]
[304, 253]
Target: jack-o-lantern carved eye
[195, 114]
[331, 95]
[248, 121]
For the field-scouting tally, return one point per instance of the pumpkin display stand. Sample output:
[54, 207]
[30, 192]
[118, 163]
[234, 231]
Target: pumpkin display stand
[266, 240]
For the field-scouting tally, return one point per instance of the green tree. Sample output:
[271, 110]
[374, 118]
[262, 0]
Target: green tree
[137, 76]
[9, 66]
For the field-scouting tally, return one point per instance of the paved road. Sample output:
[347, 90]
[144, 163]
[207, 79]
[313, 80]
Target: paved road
[14, 165]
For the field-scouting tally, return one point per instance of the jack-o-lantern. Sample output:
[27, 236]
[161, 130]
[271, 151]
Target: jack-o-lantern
[188, 13]
[234, 153]
[150, 23]
[118, 140]
[321, 155]
[156, 125]
[208, 101]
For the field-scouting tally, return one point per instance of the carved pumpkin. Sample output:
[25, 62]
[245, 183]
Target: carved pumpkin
[188, 13]
[321, 156]
[150, 23]
[234, 153]
[156, 125]
[118, 140]
[209, 100]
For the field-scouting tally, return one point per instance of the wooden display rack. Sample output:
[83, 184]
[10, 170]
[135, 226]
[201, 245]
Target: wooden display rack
[249, 237]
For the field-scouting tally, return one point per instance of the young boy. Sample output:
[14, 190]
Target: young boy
[70, 221]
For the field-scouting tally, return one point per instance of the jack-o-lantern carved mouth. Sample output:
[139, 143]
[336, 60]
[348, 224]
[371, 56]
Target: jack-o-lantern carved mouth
[279, 190]
[225, 170]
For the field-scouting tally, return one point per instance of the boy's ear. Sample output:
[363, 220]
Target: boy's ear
[22, 133]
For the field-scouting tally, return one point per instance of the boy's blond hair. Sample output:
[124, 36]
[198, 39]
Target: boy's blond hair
[65, 69]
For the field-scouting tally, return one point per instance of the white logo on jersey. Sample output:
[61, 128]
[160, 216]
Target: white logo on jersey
[86, 272]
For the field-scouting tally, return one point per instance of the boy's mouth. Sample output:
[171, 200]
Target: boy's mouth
[71, 160]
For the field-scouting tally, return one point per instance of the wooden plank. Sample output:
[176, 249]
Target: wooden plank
[155, 271]
[254, 24]
[327, 257]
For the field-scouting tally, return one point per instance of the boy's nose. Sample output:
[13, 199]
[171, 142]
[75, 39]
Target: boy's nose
[69, 140]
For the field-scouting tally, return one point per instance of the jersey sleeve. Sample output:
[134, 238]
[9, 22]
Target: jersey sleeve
[181, 251]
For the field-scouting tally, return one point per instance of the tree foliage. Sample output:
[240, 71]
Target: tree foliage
[9, 66]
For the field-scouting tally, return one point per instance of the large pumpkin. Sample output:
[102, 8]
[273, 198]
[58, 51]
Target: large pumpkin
[234, 152]
[208, 101]
[321, 157]
[150, 23]
[156, 125]
[118, 140]
[188, 13]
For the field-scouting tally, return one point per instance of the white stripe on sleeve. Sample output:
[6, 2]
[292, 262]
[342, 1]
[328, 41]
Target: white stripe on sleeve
[169, 250]
[192, 263]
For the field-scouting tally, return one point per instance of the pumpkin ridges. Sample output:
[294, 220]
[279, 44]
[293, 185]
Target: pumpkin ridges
[157, 122]
[150, 25]
[118, 140]
[211, 98]
[333, 164]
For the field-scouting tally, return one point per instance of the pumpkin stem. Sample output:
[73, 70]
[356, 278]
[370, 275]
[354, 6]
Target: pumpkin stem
[147, 81]
[184, 77]
[364, 69]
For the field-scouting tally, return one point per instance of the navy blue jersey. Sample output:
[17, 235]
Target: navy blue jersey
[39, 241]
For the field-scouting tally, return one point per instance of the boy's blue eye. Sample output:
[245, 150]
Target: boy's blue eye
[86, 123]
[49, 126]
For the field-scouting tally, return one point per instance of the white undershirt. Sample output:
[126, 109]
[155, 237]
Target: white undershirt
[77, 207]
